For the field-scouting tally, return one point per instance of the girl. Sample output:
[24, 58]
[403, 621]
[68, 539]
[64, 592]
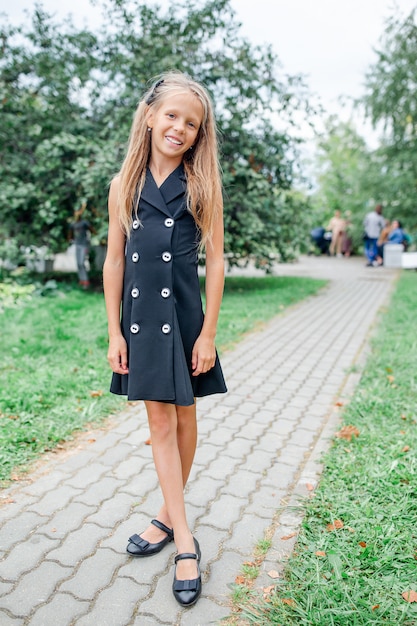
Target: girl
[165, 204]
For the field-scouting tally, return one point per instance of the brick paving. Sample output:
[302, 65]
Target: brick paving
[63, 530]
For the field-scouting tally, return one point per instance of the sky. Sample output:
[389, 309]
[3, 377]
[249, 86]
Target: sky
[329, 42]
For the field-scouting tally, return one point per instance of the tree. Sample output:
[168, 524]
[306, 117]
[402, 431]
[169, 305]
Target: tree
[68, 100]
[391, 101]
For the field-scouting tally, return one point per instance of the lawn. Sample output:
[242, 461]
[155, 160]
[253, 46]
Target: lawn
[54, 375]
[355, 561]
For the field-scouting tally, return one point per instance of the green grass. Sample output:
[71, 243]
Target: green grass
[54, 375]
[356, 575]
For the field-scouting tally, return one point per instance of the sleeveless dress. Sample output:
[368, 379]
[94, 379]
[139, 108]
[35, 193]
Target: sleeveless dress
[162, 311]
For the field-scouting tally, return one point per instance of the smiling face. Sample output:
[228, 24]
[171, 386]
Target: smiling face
[175, 124]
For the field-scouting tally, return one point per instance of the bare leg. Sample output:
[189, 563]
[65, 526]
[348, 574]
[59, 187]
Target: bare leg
[174, 434]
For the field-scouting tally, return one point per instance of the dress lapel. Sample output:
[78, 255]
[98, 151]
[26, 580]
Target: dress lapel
[172, 188]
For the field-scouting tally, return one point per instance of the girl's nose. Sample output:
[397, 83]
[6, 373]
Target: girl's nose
[179, 125]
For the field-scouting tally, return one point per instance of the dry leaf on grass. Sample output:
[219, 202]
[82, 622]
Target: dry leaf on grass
[240, 580]
[96, 394]
[390, 378]
[288, 601]
[268, 590]
[410, 596]
[347, 432]
[406, 449]
[320, 553]
[376, 606]
[273, 573]
[362, 544]
[337, 525]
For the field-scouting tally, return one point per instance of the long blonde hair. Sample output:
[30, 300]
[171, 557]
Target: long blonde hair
[204, 189]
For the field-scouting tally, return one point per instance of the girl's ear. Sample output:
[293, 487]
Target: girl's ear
[149, 119]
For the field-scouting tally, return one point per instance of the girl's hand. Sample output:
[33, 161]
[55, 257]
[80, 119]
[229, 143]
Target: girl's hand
[203, 356]
[117, 355]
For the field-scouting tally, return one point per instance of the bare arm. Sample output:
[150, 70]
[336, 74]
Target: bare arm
[113, 272]
[204, 351]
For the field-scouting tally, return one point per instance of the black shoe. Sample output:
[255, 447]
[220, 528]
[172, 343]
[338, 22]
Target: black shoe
[187, 592]
[140, 547]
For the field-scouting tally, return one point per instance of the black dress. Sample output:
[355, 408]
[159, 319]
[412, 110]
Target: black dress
[162, 312]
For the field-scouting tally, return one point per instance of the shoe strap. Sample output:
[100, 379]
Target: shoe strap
[185, 555]
[162, 527]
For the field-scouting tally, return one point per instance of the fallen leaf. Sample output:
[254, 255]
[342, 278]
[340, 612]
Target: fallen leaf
[310, 487]
[320, 553]
[286, 537]
[390, 378]
[91, 440]
[362, 544]
[347, 432]
[273, 573]
[337, 525]
[339, 403]
[403, 417]
[376, 606]
[8, 501]
[268, 589]
[240, 580]
[96, 394]
[351, 530]
[410, 596]
[406, 449]
[288, 601]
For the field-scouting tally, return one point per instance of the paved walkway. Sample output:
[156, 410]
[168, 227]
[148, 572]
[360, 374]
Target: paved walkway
[63, 531]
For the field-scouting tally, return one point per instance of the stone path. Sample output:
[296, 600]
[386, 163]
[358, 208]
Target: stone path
[63, 532]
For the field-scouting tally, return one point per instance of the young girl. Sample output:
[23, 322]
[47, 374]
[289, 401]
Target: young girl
[165, 204]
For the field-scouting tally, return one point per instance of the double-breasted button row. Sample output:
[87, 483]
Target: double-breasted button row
[169, 222]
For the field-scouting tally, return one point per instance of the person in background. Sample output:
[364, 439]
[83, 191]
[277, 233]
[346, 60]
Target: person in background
[80, 230]
[373, 225]
[337, 226]
[396, 234]
[382, 240]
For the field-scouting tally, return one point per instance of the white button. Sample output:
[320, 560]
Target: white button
[135, 224]
[135, 328]
[166, 256]
[169, 222]
[135, 292]
[135, 257]
[166, 328]
[165, 293]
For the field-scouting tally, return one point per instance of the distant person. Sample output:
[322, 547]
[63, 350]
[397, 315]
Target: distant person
[373, 225]
[337, 226]
[382, 240]
[347, 242]
[80, 230]
[397, 234]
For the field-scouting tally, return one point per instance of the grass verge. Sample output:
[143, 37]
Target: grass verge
[355, 562]
[54, 374]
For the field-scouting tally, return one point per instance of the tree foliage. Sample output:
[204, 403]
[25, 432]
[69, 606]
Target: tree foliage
[391, 102]
[67, 101]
